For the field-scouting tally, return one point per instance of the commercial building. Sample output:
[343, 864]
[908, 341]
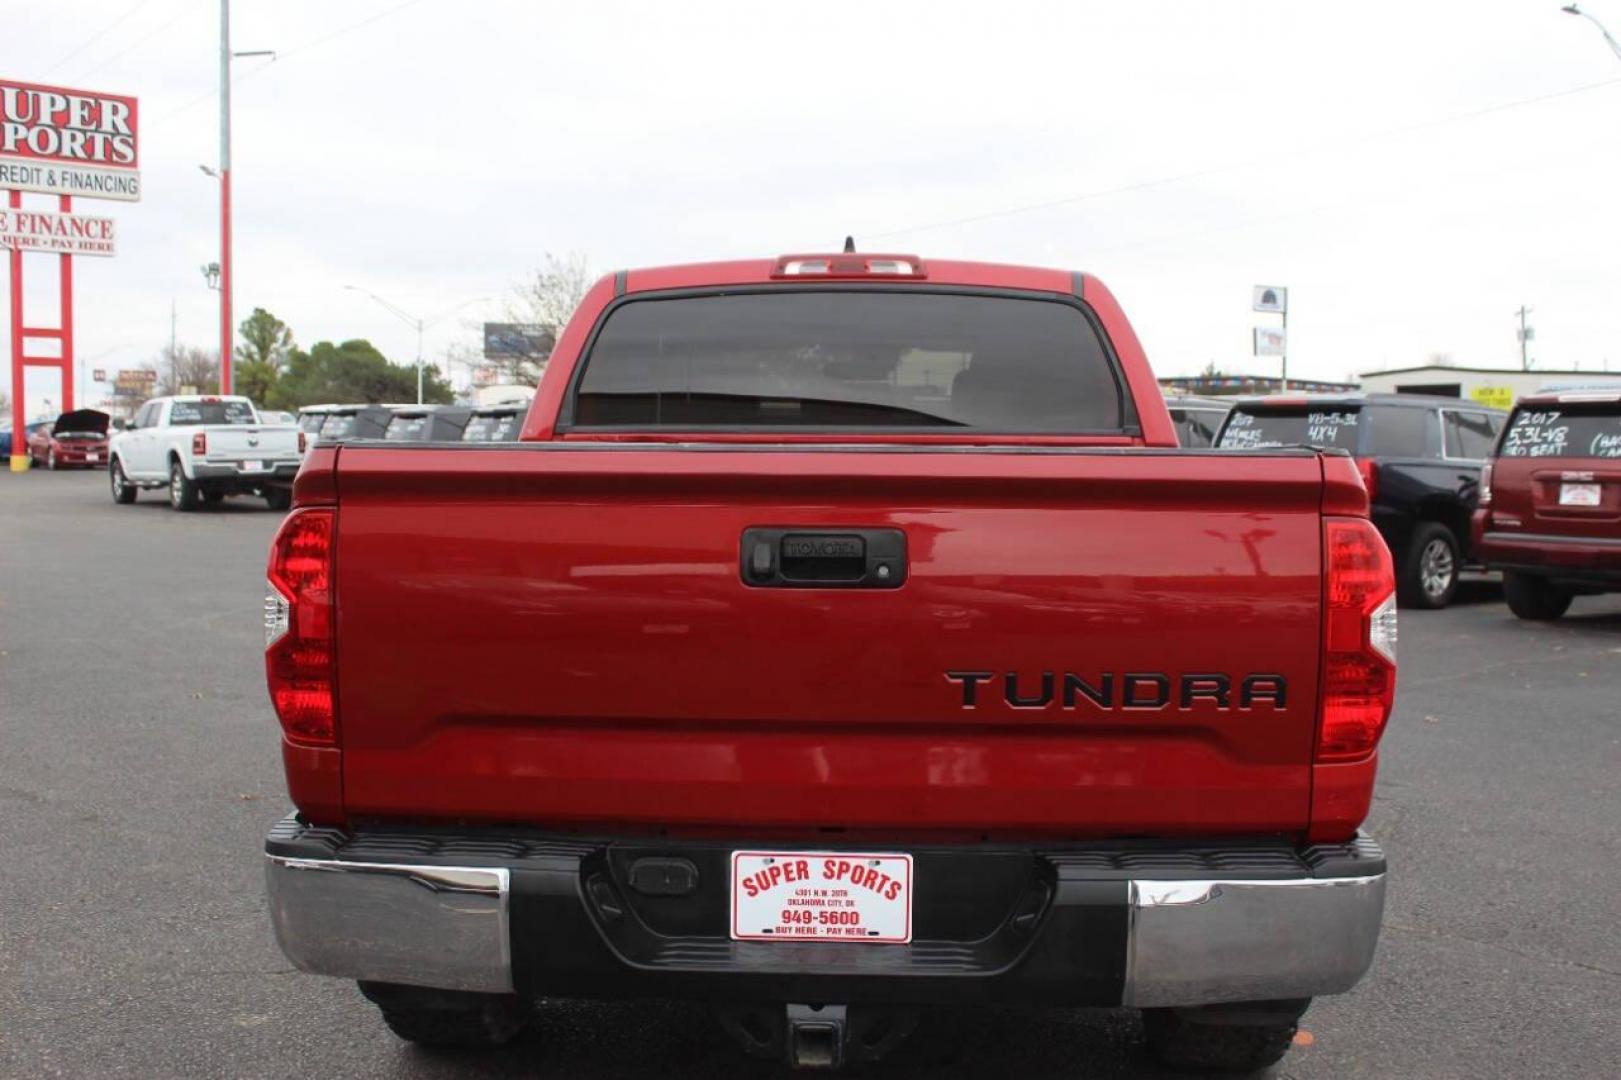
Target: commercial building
[1498, 387]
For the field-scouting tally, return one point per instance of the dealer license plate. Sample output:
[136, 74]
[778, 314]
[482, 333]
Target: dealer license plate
[253, 466]
[1579, 494]
[821, 896]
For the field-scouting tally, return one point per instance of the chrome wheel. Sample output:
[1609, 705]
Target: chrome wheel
[175, 480]
[1436, 567]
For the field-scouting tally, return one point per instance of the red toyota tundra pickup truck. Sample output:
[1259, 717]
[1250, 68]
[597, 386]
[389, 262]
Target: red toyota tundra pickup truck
[845, 635]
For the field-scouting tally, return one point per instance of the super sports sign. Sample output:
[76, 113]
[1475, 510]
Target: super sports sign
[68, 142]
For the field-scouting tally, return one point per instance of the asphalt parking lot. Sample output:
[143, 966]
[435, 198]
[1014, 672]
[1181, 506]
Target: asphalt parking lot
[139, 772]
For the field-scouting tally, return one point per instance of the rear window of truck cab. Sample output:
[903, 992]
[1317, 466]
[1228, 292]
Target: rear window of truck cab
[407, 428]
[496, 427]
[183, 413]
[1568, 429]
[1265, 427]
[858, 359]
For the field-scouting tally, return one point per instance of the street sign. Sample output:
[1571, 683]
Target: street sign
[1269, 341]
[68, 142]
[56, 234]
[1274, 298]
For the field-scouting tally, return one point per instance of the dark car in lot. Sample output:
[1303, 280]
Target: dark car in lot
[495, 423]
[343, 422]
[1420, 457]
[75, 439]
[427, 423]
[1197, 419]
[1550, 503]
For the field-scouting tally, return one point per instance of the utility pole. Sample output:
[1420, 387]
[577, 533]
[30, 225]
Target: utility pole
[224, 173]
[172, 344]
[1526, 334]
[225, 196]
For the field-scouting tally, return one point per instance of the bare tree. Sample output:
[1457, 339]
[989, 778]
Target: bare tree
[543, 302]
[188, 369]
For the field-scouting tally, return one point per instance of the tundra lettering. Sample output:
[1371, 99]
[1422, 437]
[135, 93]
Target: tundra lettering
[1141, 690]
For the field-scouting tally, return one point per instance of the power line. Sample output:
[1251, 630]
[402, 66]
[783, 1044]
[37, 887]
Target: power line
[281, 56]
[1269, 159]
[99, 34]
[132, 46]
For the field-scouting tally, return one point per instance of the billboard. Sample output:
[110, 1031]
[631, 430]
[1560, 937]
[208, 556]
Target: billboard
[136, 382]
[68, 142]
[56, 234]
[1273, 298]
[509, 341]
[1269, 341]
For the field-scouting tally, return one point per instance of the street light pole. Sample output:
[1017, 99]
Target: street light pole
[416, 322]
[1615, 46]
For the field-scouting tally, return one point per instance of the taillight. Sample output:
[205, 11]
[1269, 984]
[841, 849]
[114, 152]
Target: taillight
[302, 442]
[300, 662]
[1359, 675]
[1486, 485]
[1370, 476]
[199, 444]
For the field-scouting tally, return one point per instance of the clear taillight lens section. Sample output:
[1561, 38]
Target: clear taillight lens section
[299, 604]
[1486, 485]
[1359, 675]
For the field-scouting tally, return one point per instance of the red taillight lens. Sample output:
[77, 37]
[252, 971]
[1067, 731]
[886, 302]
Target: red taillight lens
[1370, 476]
[302, 442]
[199, 443]
[300, 663]
[1359, 673]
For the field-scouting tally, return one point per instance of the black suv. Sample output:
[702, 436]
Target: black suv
[1197, 419]
[1419, 456]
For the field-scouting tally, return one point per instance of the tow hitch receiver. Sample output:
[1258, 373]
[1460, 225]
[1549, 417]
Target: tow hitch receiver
[816, 1035]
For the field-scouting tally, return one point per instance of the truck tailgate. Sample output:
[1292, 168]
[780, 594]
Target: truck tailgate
[560, 633]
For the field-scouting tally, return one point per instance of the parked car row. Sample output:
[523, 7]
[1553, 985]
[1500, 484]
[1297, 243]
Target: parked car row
[1534, 493]
[204, 448]
[412, 423]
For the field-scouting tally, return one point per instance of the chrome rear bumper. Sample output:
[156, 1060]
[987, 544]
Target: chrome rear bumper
[1130, 940]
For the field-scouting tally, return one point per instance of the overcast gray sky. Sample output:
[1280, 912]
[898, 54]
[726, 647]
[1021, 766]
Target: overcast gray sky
[431, 151]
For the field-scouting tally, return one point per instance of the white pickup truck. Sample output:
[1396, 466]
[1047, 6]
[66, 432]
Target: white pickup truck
[204, 447]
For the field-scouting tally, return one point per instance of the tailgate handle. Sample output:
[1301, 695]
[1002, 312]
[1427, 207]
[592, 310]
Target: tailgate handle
[822, 558]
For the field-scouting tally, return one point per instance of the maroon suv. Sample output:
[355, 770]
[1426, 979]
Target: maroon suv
[1550, 502]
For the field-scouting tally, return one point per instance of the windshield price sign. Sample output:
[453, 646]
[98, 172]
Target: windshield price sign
[68, 142]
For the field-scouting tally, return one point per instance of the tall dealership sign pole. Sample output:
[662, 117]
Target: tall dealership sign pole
[65, 143]
[226, 336]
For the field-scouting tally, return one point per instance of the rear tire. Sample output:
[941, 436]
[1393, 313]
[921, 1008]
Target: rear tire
[1534, 598]
[279, 498]
[1178, 1038]
[1429, 572]
[183, 495]
[449, 1019]
[124, 492]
